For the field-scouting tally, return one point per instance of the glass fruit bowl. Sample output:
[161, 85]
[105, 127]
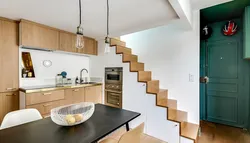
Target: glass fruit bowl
[73, 114]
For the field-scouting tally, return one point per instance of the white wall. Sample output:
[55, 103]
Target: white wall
[72, 64]
[172, 55]
[135, 97]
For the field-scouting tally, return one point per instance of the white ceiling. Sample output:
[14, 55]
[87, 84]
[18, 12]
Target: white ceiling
[200, 4]
[126, 16]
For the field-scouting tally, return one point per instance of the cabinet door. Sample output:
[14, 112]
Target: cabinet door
[67, 42]
[90, 47]
[93, 94]
[8, 56]
[78, 95]
[38, 36]
[9, 101]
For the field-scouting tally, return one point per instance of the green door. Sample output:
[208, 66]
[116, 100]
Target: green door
[227, 90]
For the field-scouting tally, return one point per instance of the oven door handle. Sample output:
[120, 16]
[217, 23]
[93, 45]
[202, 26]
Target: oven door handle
[113, 91]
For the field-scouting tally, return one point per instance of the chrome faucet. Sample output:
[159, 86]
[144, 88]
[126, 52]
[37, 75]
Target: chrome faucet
[81, 79]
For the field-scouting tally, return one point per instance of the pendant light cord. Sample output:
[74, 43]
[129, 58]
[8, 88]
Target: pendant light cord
[80, 9]
[107, 18]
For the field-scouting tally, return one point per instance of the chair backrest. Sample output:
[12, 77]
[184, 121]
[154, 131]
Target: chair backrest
[133, 136]
[20, 117]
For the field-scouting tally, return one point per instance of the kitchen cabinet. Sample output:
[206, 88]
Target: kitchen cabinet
[9, 101]
[75, 95]
[90, 47]
[9, 56]
[67, 42]
[93, 94]
[246, 33]
[35, 35]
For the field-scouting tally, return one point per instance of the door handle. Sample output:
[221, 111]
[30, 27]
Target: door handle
[47, 93]
[11, 94]
[204, 79]
[76, 90]
[46, 105]
[10, 89]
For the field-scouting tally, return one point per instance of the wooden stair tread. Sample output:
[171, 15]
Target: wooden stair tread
[136, 66]
[177, 115]
[115, 42]
[153, 86]
[129, 58]
[189, 130]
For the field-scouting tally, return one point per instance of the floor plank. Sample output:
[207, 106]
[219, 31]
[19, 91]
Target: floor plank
[216, 133]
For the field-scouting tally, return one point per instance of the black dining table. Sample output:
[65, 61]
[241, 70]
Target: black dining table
[104, 121]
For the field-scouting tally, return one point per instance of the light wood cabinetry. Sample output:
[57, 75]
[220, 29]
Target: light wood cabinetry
[41, 97]
[90, 47]
[67, 42]
[75, 95]
[93, 94]
[45, 101]
[35, 35]
[8, 102]
[8, 56]
[38, 36]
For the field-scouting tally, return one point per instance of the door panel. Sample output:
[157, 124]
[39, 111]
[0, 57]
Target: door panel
[228, 83]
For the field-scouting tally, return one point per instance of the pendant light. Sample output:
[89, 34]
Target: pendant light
[107, 46]
[79, 33]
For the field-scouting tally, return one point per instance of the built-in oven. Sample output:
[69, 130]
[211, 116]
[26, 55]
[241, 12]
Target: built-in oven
[113, 75]
[113, 87]
[113, 98]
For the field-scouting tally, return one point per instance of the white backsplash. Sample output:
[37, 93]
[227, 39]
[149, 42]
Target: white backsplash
[72, 64]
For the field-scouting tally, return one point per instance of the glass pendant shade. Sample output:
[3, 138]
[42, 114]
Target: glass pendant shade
[107, 48]
[79, 38]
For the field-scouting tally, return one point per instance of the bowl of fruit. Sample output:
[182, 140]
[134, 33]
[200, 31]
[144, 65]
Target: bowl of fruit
[73, 114]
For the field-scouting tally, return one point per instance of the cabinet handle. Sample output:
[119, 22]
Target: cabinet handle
[47, 93]
[47, 105]
[11, 94]
[76, 90]
[10, 89]
[118, 103]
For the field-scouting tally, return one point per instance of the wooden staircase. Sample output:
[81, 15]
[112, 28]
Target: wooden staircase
[187, 130]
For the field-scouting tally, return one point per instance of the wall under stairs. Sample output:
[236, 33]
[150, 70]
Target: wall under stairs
[164, 123]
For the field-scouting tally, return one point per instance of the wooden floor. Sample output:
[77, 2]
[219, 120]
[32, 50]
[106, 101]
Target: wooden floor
[144, 139]
[216, 133]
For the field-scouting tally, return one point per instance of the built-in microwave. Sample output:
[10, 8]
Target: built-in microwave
[113, 75]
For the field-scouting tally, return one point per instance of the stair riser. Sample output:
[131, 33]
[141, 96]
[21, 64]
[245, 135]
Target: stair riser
[135, 67]
[153, 87]
[177, 115]
[129, 58]
[144, 76]
[123, 50]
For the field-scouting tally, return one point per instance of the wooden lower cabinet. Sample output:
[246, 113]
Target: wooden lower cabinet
[9, 101]
[75, 95]
[93, 94]
[45, 101]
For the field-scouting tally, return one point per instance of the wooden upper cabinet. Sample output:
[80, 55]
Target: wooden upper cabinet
[9, 56]
[67, 42]
[90, 47]
[246, 33]
[38, 36]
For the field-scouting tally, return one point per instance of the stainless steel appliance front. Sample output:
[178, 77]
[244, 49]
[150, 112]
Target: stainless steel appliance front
[113, 75]
[113, 87]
